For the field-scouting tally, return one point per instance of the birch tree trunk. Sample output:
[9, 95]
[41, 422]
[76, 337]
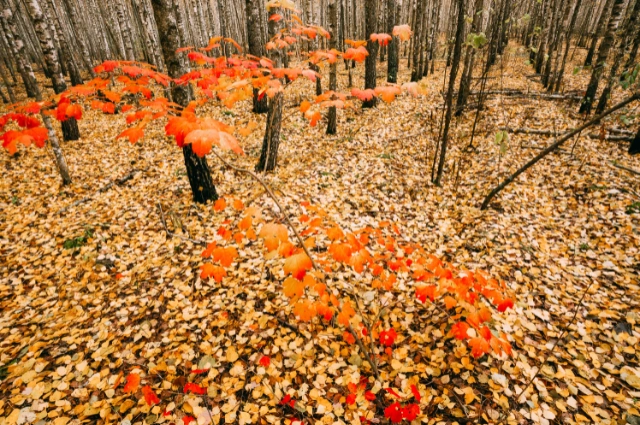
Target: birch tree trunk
[17, 46]
[371, 12]
[333, 74]
[256, 47]
[70, 129]
[393, 61]
[603, 54]
[202, 187]
[271, 141]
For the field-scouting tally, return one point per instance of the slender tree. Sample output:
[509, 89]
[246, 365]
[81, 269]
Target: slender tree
[70, 129]
[371, 18]
[393, 14]
[271, 141]
[603, 54]
[333, 74]
[202, 186]
[455, 62]
[256, 47]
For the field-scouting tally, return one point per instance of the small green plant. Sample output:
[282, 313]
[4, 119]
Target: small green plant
[78, 241]
[584, 246]
[633, 208]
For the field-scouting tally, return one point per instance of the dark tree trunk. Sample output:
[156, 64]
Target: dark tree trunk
[455, 63]
[603, 54]
[271, 141]
[624, 39]
[467, 71]
[256, 47]
[634, 149]
[202, 186]
[560, 74]
[333, 74]
[70, 129]
[393, 11]
[597, 32]
[371, 17]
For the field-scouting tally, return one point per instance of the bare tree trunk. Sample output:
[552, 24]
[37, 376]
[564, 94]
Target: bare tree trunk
[198, 172]
[417, 44]
[333, 75]
[598, 32]
[70, 129]
[18, 51]
[271, 141]
[256, 47]
[603, 54]
[393, 61]
[371, 15]
[467, 70]
[560, 74]
[624, 39]
[455, 62]
[61, 163]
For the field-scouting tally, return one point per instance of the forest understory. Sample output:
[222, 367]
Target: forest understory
[101, 278]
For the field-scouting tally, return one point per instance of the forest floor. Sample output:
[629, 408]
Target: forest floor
[91, 291]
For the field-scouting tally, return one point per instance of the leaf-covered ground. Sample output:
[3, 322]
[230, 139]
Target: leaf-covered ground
[92, 288]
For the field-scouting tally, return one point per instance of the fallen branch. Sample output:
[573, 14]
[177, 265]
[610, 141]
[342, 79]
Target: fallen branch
[554, 146]
[175, 235]
[556, 134]
[631, 170]
[118, 182]
[518, 93]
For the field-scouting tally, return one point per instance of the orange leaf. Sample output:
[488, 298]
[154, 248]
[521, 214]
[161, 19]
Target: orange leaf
[293, 288]
[133, 381]
[297, 265]
[305, 310]
[134, 134]
[459, 330]
[225, 255]
[450, 302]
[403, 32]
[216, 272]
[150, 396]
[479, 347]
[220, 204]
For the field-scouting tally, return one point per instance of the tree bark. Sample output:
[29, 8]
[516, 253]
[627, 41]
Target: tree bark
[597, 32]
[371, 17]
[271, 141]
[17, 46]
[69, 126]
[256, 47]
[198, 172]
[603, 54]
[333, 74]
[455, 63]
[61, 163]
[393, 60]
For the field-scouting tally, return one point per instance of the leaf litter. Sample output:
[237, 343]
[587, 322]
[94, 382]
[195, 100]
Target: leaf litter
[103, 311]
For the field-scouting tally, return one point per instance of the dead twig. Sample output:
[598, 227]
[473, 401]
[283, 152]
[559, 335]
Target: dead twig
[174, 235]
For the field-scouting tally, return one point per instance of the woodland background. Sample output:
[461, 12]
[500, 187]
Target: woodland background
[499, 137]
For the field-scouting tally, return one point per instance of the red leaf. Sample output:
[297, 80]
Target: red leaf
[393, 413]
[479, 347]
[133, 381]
[351, 399]
[188, 419]
[194, 388]
[134, 134]
[264, 361]
[298, 265]
[388, 337]
[199, 371]
[150, 396]
[410, 411]
[415, 392]
[459, 330]
[369, 396]
[392, 392]
[505, 304]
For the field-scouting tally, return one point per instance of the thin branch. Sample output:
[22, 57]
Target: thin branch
[631, 170]
[554, 146]
[174, 235]
[273, 197]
